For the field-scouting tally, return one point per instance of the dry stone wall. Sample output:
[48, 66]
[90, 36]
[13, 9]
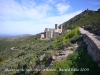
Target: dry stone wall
[93, 42]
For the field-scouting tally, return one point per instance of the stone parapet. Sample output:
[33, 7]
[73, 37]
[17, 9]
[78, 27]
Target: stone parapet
[93, 42]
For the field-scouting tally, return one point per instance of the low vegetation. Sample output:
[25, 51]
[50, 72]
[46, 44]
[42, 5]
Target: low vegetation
[66, 39]
[80, 62]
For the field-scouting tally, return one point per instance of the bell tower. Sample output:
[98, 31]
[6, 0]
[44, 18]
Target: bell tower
[56, 26]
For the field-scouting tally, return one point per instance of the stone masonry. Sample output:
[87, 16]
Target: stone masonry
[93, 42]
[50, 33]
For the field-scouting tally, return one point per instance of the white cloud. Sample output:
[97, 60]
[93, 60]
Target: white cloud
[13, 10]
[62, 8]
[60, 19]
[21, 27]
[27, 17]
[31, 27]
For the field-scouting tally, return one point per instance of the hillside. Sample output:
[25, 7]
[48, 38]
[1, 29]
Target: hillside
[21, 56]
[88, 18]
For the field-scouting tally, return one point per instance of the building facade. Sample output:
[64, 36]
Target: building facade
[50, 33]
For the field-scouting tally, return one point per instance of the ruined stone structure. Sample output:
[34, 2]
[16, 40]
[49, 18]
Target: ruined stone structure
[93, 42]
[50, 33]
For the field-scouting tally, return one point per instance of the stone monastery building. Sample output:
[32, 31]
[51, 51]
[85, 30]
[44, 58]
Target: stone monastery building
[50, 33]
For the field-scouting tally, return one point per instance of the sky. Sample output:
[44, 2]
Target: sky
[19, 17]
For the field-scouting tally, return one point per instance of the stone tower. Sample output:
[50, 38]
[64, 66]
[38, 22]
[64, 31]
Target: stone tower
[56, 26]
[60, 27]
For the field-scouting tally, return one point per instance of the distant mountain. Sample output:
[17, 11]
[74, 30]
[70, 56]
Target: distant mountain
[25, 35]
[16, 36]
[13, 38]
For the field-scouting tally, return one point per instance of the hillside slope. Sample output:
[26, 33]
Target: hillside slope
[88, 18]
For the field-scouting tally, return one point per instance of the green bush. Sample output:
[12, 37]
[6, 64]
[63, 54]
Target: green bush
[72, 35]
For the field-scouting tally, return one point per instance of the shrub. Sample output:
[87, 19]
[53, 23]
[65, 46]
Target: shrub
[67, 38]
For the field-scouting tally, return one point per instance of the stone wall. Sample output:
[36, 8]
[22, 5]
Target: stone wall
[42, 36]
[93, 45]
[50, 33]
[93, 50]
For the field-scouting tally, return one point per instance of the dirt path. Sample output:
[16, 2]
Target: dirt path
[63, 54]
